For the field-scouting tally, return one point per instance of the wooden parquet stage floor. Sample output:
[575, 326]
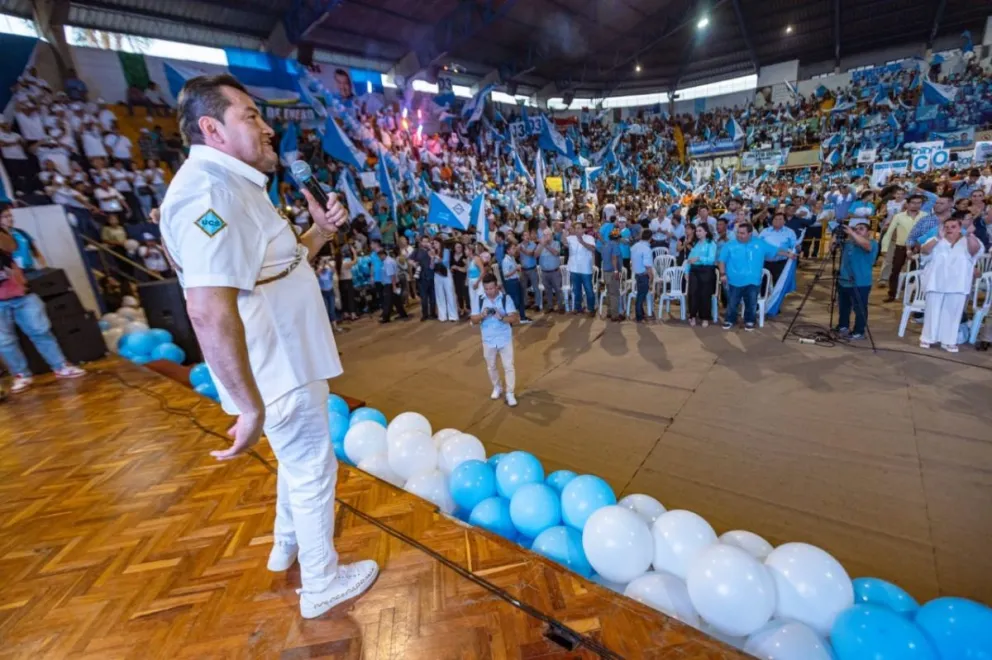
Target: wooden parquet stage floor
[120, 537]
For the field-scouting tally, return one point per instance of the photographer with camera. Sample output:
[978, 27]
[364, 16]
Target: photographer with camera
[496, 314]
[858, 253]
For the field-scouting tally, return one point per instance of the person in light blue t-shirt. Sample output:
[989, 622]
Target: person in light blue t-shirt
[854, 281]
[741, 265]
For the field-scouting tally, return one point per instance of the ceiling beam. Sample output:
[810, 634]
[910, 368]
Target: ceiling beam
[385, 11]
[837, 35]
[746, 35]
[937, 17]
[303, 15]
[224, 26]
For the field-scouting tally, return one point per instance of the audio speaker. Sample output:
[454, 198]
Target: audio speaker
[48, 282]
[65, 305]
[304, 54]
[165, 308]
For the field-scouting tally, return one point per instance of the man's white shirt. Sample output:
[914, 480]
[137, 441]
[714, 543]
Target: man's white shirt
[220, 227]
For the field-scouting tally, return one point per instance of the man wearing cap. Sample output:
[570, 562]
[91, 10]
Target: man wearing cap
[854, 281]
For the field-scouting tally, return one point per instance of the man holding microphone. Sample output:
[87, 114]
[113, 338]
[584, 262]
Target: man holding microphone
[256, 307]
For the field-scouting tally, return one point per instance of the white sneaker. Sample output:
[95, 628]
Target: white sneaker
[351, 581]
[70, 371]
[20, 383]
[282, 557]
[511, 400]
[497, 393]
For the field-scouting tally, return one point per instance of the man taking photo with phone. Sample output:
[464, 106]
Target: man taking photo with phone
[497, 314]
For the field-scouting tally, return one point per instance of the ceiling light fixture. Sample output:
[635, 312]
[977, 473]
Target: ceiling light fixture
[703, 22]
[788, 29]
[637, 68]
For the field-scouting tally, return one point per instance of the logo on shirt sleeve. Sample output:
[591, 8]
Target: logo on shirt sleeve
[210, 223]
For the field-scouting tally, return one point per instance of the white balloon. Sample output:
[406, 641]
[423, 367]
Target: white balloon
[787, 640]
[455, 451]
[378, 465]
[364, 439]
[731, 590]
[433, 487]
[730, 640]
[115, 320]
[412, 453]
[135, 326]
[128, 313]
[111, 337]
[648, 508]
[813, 588]
[617, 544]
[131, 245]
[129, 301]
[665, 593]
[612, 586]
[749, 542]
[443, 435]
[679, 536]
[408, 421]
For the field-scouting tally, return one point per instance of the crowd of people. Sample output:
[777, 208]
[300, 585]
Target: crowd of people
[593, 243]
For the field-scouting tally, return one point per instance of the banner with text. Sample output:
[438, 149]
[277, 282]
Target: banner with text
[881, 172]
[961, 138]
[751, 160]
[983, 152]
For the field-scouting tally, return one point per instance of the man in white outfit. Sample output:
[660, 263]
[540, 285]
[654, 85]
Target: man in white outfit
[258, 314]
[496, 314]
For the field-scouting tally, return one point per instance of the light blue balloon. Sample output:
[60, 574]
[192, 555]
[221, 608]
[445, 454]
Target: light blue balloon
[582, 496]
[336, 404]
[516, 469]
[104, 326]
[161, 336]
[471, 482]
[559, 479]
[563, 545]
[199, 375]
[493, 514]
[125, 353]
[141, 359]
[958, 628]
[339, 452]
[169, 352]
[208, 390]
[140, 342]
[494, 460]
[339, 425]
[874, 591]
[878, 633]
[534, 508]
[368, 415]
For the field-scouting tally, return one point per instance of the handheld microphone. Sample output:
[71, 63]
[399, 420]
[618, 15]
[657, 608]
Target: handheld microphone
[304, 177]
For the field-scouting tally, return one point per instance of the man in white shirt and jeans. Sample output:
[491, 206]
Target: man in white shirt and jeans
[259, 316]
[497, 314]
[581, 256]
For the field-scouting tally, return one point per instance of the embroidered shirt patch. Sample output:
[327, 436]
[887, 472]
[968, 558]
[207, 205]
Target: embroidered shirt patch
[210, 223]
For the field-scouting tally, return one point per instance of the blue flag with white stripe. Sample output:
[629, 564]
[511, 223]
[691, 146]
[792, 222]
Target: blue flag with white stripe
[339, 146]
[550, 139]
[346, 186]
[937, 94]
[448, 211]
[786, 282]
[386, 186]
[472, 110]
[478, 214]
[735, 130]
[589, 174]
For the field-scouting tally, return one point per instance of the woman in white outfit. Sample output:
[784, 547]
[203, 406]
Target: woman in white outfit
[444, 285]
[947, 280]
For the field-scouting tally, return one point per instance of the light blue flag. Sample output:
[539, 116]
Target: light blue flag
[472, 110]
[786, 283]
[539, 175]
[518, 165]
[734, 130]
[893, 122]
[844, 106]
[289, 145]
[969, 45]
[386, 186]
[590, 174]
[792, 89]
[550, 139]
[832, 141]
[833, 158]
[635, 178]
[451, 212]
[425, 186]
[346, 186]
[339, 146]
[937, 94]
[5, 186]
[478, 215]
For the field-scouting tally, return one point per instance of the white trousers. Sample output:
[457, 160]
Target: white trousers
[444, 293]
[506, 357]
[942, 318]
[297, 429]
[475, 290]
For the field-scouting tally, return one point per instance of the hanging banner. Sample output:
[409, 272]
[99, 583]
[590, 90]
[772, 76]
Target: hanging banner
[881, 172]
[287, 113]
[924, 160]
[961, 138]
[867, 156]
[523, 129]
[983, 152]
[751, 160]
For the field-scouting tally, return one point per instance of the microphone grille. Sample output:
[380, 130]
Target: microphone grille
[301, 171]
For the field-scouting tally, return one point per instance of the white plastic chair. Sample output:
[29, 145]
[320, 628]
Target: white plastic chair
[662, 263]
[984, 264]
[674, 287]
[912, 264]
[764, 293]
[659, 252]
[631, 300]
[596, 279]
[981, 313]
[566, 286]
[624, 292]
[914, 299]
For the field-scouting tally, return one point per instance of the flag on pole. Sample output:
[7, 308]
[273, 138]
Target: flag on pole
[386, 186]
[472, 110]
[539, 174]
[550, 139]
[589, 174]
[479, 218]
[735, 130]
[346, 186]
[289, 145]
[937, 94]
[785, 284]
[339, 146]
[448, 211]
[792, 89]
[519, 168]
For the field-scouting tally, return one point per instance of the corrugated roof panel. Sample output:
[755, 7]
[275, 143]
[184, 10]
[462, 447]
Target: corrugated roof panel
[16, 7]
[115, 21]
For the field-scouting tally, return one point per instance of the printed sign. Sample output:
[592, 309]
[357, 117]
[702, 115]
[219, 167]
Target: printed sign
[751, 160]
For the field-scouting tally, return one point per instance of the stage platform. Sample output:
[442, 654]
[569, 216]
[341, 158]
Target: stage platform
[120, 537]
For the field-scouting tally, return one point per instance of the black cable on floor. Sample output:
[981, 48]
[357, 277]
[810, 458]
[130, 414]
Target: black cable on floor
[554, 624]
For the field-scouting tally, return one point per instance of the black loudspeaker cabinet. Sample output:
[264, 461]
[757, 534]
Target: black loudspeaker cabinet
[48, 282]
[78, 336]
[65, 305]
[165, 308]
